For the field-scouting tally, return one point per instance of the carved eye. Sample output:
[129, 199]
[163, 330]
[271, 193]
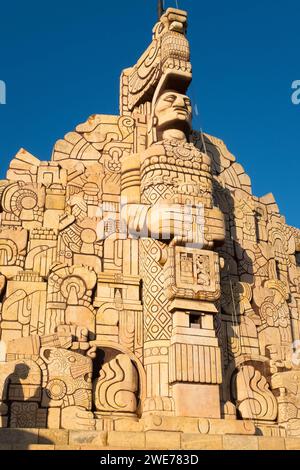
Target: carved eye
[170, 98]
[187, 102]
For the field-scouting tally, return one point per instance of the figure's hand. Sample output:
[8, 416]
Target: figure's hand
[76, 417]
[180, 223]
[166, 221]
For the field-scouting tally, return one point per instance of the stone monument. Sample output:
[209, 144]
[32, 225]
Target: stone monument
[144, 290]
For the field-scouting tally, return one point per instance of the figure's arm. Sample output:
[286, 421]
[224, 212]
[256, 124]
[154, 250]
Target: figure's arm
[165, 220]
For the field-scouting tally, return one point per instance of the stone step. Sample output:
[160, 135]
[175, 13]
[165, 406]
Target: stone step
[49, 439]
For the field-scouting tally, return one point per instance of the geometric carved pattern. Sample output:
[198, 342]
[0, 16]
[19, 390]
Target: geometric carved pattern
[195, 364]
[157, 318]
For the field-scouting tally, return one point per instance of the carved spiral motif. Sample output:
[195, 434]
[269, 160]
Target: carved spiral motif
[269, 313]
[183, 153]
[25, 199]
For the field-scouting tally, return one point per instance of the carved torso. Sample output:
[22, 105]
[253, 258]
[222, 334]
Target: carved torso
[176, 171]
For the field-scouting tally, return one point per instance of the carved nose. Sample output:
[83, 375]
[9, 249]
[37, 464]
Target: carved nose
[179, 102]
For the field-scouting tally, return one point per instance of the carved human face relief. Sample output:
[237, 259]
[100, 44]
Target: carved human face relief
[173, 110]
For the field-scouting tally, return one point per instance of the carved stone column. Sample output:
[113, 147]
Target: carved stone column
[157, 329]
[192, 284]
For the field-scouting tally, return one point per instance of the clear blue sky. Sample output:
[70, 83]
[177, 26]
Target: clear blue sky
[61, 62]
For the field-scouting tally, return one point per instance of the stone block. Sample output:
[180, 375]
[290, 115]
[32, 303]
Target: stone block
[53, 436]
[126, 440]
[5, 447]
[66, 447]
[198, 400]
[226, 426]
[163, 440]
[236, 442]
[128, 425]
[40, 447]
[93, 447]
[88, 438]
[55, 202]
[170, 423]
[18, 436]
[21, 446]
[200, 442]
[271, 443]
[292, 443]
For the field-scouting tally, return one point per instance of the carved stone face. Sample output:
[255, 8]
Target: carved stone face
[173, 110]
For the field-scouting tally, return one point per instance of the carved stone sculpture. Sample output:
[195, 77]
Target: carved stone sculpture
[142, 285]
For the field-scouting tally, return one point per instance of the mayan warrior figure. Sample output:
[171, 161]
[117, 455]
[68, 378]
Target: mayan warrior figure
[142, 286]
[174, 177]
